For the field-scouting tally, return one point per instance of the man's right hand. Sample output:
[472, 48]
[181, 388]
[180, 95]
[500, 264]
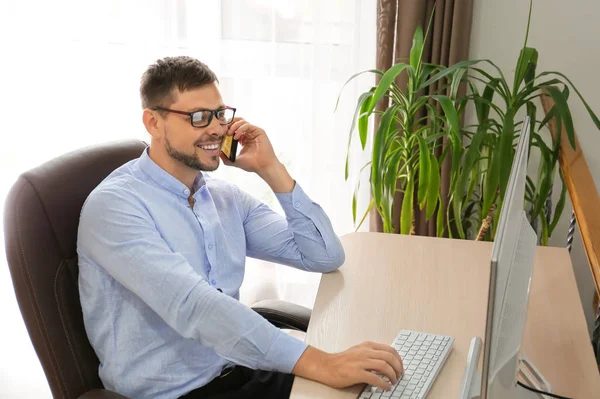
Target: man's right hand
[352, 366]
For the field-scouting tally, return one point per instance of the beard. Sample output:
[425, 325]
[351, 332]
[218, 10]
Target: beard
[191, 161]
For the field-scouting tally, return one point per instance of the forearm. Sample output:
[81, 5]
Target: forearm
[241, 335]
[317, 244]
[304, 239]
[311, 364]
[278, 178]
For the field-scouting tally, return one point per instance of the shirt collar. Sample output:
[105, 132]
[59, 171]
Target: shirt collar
[165, 179]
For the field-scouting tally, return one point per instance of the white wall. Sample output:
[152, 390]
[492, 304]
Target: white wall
[566, 35]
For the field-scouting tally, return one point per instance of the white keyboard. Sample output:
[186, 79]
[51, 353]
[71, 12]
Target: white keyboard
[423, 356]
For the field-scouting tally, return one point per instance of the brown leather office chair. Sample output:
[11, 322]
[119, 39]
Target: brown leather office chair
[41, 217]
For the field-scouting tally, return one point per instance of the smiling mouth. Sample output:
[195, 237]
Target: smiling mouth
[209, 147]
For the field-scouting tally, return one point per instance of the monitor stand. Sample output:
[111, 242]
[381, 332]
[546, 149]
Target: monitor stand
[528, 374]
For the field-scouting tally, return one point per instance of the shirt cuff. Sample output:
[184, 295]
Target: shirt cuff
[284, 353]
[296, 201]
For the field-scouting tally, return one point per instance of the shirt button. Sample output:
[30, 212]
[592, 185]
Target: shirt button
[186, 191]
[213, 282]
[210, 247]
[296, 204]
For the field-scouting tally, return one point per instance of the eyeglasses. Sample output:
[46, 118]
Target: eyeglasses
[203, 117]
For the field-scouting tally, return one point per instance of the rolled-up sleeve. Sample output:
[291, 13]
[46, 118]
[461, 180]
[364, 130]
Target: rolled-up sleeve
[304, 238]
[117, 234]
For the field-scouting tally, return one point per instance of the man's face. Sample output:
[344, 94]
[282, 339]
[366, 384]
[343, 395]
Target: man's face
[196, 148]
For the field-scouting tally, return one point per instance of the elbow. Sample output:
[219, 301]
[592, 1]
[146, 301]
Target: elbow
[335, 261]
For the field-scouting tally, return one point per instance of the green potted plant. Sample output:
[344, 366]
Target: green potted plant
[405, 143]
[411, 130]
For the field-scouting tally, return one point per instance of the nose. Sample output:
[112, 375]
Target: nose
[215, 128]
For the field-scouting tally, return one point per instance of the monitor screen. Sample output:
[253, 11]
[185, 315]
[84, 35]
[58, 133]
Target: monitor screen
[511, 267]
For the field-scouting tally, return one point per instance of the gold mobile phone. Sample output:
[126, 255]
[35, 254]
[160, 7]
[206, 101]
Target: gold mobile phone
[229, 148]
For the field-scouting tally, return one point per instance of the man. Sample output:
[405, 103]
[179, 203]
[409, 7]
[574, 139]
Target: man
[162, 248]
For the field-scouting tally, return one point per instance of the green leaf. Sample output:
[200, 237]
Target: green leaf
[528, 22]
[445, 72]
[424, 166]
[449, 220]
[354, 207]
[375, 71]
[407, 207]
[557, 138]
[449, 111]
[457, 208]
[530, 70]
[391, 173]
[531, 112]
[527, 59]
[560, 205]
[483, 107]
[416, 51]
[361, 100]
[530, 186]
[587, 107]
[566, 93]
[545, 152]
[378, 152]
[456, 81]
[433, 191]
[346, 167]
[564, 112]
[505, 150]
[418, 104]
[366, 214]
[363, 120]
[384, 84]
[428, 69]
[545, 187]
[469, 160]
[553, 113]
[454, 136]
[440, 218]
[490, 185]
[548, 117]
[501, 87]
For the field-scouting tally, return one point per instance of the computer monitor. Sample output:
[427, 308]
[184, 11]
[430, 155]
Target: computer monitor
[511, 267]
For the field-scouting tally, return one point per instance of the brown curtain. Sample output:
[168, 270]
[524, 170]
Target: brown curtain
[447, 44]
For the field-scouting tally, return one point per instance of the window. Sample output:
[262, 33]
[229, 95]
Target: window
[77, 65]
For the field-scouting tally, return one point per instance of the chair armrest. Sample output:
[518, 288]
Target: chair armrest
[101, 394]
[283, 314]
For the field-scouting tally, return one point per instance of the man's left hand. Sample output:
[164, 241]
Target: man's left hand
[257, 155]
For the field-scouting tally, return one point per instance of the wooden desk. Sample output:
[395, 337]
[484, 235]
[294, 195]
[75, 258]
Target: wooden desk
[392, 282]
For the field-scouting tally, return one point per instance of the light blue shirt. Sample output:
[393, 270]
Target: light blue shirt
[150, 268]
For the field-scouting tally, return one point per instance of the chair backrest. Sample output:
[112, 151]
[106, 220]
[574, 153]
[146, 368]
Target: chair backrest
[41, 218]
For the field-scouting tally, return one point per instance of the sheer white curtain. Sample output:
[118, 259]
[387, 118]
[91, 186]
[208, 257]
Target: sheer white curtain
[70, 74]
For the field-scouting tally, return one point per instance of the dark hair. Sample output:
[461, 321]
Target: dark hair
[183, 73]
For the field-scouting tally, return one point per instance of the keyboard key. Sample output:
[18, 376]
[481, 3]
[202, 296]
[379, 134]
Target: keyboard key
[423, 356]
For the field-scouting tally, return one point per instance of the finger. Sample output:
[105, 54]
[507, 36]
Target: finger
[234, 120]
[392, 360]
[233, 126]
[241, 130]
[382, 367]
[388, 349]
[375, 380]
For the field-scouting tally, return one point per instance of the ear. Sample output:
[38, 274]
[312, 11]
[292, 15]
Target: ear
[152, 122]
